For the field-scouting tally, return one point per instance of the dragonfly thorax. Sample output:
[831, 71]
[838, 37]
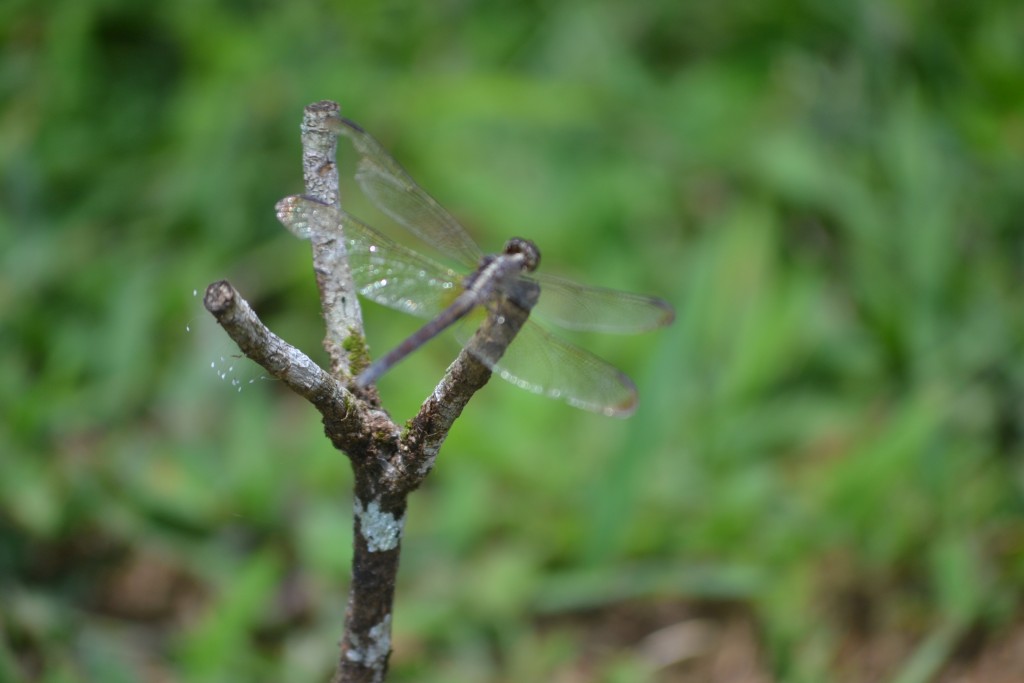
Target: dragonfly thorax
[528, 250]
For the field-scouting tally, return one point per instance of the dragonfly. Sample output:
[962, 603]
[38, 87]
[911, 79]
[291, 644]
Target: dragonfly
[403, 279]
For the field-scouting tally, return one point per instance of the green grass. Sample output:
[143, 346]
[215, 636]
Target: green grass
[830, 195]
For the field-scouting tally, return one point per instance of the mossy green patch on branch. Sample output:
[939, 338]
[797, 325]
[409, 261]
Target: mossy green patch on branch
[357, 350]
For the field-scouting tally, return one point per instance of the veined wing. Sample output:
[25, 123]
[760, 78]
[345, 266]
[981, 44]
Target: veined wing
[542, 363]
[384, 271]
[395, 193]
[578, 307]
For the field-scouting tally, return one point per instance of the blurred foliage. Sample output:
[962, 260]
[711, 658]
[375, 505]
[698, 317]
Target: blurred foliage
[831, 434]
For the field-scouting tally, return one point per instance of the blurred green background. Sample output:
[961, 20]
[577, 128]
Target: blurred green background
[823, 482]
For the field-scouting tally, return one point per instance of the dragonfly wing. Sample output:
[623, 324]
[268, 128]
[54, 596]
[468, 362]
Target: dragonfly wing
[577, 307]
[384, 271]
[542, 363]
[395, 193]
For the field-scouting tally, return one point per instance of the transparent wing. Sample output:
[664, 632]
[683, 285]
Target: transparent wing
[542, 363]
[384, 271]
[563, 302]
[395, 193]
[578, 307]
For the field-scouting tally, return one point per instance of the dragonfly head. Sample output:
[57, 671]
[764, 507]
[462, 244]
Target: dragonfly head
[528, 250]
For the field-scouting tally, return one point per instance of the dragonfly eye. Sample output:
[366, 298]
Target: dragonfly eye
[529, 250]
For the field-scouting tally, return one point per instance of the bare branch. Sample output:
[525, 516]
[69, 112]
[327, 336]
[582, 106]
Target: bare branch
[386, 467]
[282, 360]
[464, 377]
[319, 150]
[345, 340]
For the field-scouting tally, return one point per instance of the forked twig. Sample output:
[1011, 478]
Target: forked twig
[387, 465]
